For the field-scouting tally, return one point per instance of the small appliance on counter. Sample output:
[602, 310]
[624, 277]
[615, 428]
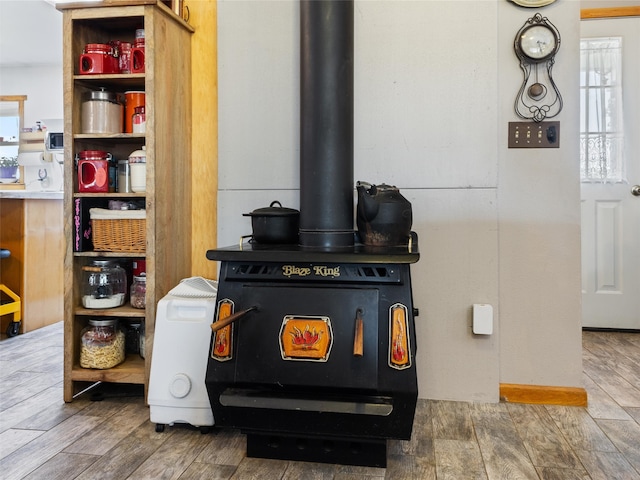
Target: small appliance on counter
[41, 153]
[177, 391]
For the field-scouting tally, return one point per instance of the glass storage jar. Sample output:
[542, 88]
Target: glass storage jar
[139, 120]
[138, 292]
[132, 330]
[102, 112]
[124, 177]
[142, 340]
[103, 344]
[104, 284]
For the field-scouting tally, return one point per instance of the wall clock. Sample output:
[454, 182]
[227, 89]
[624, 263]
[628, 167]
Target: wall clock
[538, 42]
[536, 45]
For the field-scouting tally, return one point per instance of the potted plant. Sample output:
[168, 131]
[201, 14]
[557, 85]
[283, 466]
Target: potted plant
[9, 170]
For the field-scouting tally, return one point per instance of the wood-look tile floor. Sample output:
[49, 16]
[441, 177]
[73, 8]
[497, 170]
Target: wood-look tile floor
[41, 437]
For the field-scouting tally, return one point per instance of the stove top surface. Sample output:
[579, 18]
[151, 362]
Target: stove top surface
[358, 253]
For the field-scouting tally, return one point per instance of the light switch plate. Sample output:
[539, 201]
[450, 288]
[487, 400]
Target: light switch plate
[534, 135]
[482, 319]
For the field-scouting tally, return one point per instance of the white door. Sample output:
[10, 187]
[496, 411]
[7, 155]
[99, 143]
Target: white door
[610, 211]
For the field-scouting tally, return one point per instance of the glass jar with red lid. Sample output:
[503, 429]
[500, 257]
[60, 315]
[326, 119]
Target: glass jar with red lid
[93, 171]
[98, 58]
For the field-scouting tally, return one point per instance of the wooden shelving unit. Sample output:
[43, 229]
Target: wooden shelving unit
[167, 85]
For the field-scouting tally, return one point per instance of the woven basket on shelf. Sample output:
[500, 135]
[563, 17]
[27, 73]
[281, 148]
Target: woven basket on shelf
[113, 231]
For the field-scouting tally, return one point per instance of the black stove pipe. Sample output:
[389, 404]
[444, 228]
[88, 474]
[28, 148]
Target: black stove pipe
[326, 124]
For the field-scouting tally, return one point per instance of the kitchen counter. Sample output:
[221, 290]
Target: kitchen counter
[30, 194]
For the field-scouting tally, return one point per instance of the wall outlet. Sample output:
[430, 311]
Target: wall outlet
[482, 319]
[534, 135]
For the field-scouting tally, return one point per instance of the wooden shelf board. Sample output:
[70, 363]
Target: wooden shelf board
[132, 370]
[93, 253]
[110, 254]
[101, 77]
[124, 311]
[110, 136]
[110, 195]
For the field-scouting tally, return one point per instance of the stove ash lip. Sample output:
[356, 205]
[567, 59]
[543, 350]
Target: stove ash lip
[294, 253]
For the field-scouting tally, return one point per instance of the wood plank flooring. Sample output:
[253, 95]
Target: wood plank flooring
[41, 437]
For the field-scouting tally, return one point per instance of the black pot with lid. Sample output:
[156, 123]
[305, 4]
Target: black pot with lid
[275, 224]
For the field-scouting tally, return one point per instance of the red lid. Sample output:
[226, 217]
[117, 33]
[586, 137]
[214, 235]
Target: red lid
[93, 155]
[97, 48]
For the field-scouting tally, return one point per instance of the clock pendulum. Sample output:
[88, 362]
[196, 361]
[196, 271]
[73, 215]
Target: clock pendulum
[536, 45]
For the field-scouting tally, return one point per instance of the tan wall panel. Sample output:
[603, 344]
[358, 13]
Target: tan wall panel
[203, 17]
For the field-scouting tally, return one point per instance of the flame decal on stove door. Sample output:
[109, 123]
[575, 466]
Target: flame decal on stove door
[306, 338]
[223, 338]
[399, 345]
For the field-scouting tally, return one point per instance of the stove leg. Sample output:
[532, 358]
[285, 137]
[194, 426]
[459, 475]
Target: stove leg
[344, 451]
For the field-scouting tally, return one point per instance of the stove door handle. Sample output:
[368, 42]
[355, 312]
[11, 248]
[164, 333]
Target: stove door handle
[215, 326]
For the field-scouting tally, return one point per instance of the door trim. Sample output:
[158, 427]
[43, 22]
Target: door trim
[587, 13]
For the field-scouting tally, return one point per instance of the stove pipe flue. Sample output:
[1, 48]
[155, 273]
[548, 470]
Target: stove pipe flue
[326, 124]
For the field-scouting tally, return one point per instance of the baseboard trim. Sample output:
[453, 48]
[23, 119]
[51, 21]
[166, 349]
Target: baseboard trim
[543, 395]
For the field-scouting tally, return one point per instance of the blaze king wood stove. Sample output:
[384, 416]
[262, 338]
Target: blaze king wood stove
[323, 369]
[313, 349]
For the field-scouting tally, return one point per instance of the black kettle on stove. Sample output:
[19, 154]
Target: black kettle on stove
[383, 216]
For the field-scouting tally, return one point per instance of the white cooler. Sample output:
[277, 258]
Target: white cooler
[177, 391]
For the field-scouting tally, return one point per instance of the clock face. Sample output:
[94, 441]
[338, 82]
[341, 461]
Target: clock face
[538, 42]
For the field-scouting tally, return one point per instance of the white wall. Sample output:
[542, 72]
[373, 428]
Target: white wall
[43, 87]
[434, 88]
[539, 210]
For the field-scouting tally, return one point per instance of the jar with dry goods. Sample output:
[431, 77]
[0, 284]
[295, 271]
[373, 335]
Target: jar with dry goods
[138, 292]
[104, 284]
[103, 344]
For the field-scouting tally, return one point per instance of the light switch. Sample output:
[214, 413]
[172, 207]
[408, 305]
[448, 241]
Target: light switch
[534, 135]
[482, 319]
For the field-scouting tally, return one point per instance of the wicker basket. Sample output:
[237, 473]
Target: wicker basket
[118, 231]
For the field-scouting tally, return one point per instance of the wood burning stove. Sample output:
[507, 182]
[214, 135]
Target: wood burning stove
[321, 365]
[313, 349]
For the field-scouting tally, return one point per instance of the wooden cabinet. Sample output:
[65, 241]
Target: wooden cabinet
[166, 81]
[32, 231]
